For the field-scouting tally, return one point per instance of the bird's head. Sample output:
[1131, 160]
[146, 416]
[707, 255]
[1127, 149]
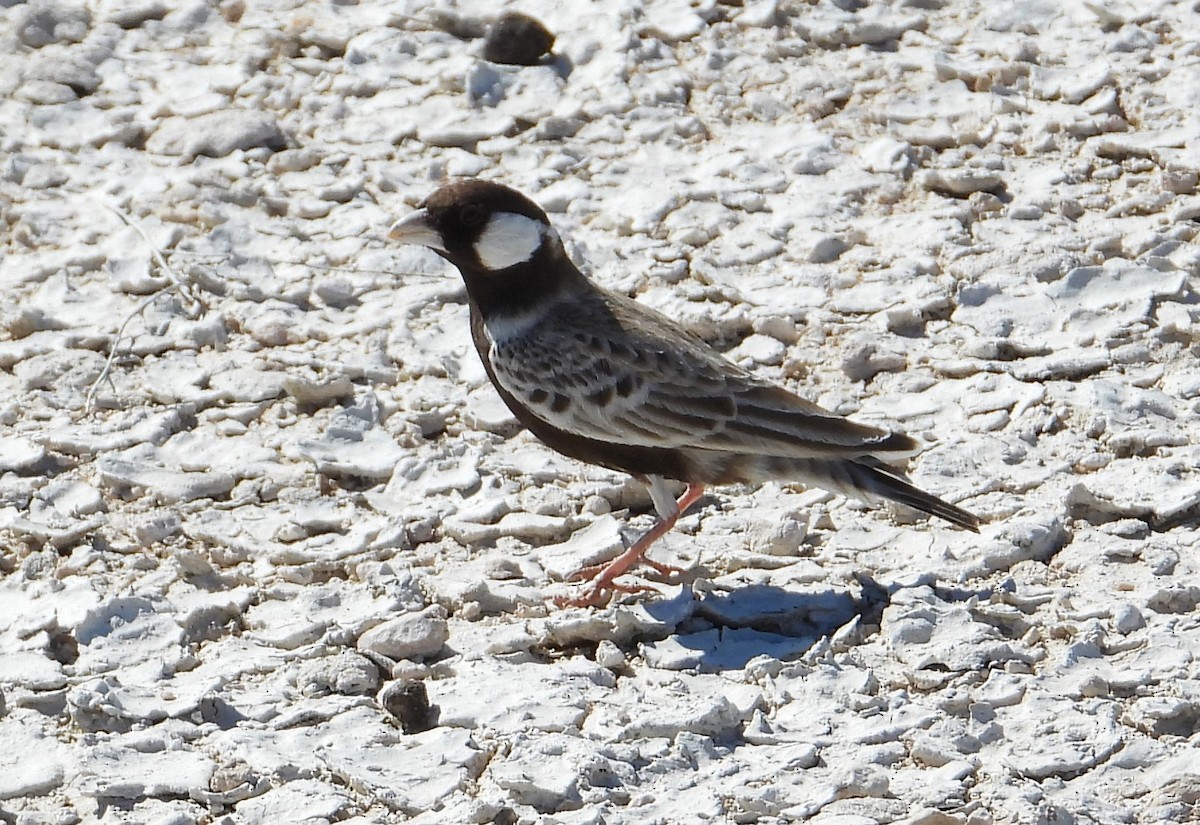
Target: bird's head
[482, 228]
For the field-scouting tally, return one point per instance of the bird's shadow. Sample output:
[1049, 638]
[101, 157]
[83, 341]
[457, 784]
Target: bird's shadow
[729, 629]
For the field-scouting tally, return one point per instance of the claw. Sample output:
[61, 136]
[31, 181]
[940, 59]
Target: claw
[600, 593]
[585, 574]
[603, 577]
[590, 572]
[663, 569]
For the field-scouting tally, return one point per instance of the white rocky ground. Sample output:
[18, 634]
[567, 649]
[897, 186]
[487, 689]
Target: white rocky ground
[294, 498]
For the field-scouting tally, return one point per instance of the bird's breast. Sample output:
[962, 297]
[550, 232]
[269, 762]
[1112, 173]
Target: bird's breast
[504, 328]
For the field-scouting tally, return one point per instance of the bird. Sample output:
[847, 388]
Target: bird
[606, 380]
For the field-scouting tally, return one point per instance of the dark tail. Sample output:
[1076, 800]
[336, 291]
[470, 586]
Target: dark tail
[863, 477]
[885, 483]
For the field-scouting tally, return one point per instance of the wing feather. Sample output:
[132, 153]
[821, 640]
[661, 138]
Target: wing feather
[604, 367]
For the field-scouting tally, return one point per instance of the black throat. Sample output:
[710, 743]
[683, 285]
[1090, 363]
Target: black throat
[520, 287]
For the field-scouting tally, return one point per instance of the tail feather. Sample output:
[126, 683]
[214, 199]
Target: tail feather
[880, 481]
[864, 478]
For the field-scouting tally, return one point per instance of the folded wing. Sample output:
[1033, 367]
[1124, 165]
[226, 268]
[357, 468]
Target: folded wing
[611, 369]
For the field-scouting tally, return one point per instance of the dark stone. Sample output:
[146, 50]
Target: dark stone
[517, 39]
[409, 704]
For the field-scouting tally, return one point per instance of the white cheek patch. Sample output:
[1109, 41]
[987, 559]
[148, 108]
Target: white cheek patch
[509, 239]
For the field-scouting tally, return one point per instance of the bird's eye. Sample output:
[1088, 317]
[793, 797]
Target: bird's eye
[471, 215]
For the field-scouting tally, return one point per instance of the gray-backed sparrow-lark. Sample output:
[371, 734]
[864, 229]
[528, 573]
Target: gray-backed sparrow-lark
[606, 380]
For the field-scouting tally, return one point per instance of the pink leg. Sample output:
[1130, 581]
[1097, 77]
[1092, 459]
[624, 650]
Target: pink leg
[603, 577]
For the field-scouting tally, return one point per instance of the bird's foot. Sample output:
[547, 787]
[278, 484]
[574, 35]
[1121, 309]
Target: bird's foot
[593, 571]
[663, 569]
[604, 576]
[604, 584]
[600, 593]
